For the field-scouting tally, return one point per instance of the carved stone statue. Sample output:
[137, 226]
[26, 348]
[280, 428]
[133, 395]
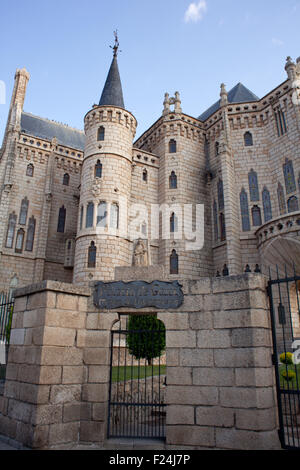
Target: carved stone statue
[140, 255]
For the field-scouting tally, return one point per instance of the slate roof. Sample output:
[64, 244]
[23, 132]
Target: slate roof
[46, 129]
[238, 94]
[112, 94]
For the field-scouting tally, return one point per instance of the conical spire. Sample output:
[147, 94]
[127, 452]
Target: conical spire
[112, 94]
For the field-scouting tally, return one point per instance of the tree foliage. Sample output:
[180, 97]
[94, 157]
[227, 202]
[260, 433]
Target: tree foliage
[146, 338]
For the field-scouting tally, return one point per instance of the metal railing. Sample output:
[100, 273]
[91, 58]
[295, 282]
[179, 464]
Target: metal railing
[6, 312]
[283, 291]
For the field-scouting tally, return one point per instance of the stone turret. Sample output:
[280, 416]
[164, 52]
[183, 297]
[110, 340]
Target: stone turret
[102, 242]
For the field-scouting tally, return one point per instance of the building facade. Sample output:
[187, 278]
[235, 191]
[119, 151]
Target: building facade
[67, 197]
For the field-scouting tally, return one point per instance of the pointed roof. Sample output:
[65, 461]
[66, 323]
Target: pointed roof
[238, 94]
[112, 94]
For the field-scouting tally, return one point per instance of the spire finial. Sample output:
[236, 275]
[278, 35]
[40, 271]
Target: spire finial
[116, 45]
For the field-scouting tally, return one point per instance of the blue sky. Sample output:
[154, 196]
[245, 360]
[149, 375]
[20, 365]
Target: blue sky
[167, 45]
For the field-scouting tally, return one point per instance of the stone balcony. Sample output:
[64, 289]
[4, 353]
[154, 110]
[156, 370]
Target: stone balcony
[282, 226]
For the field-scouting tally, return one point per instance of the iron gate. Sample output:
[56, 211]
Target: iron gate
[137, 388]
[283, 293]
[6, 311]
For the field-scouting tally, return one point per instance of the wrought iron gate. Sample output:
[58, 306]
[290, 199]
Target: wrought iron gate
[6, 311]
[283, 293]
[137, 388]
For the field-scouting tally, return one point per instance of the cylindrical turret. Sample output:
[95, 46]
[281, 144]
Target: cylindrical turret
[102, 242]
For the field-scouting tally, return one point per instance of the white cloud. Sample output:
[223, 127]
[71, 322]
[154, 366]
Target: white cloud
[195, 11]
[277, 42]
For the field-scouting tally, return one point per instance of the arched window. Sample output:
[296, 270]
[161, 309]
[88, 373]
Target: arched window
[61, 219]
[98, 169]
[173, 180]
[215, 215]
[101, 133]
[81, 218]
[245, 211]
[173, 223]
[11, 230]
[114, 215]
[222, 227]
[256, 216]
[92, 253]
[172, 146]
[102, 214]
[267, 205]
[30, 234]
[174, 269]
[145, 176]
[19, 241]
[248, 139]
[253, 186]
[289, 176]
[281, 199]
[30, 170]
[66, 179]
[293, 205]
[89, 219]
[220, 195]
[217, 146]
[23, 211]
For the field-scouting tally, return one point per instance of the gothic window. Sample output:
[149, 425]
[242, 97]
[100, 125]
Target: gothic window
[245, 211]
[30, 170]
[23, 211]
[61, 219]
[220, 195]
[174, 263]
[114, 216]
[172, 146]
[102, 215]
[280, 121]
[11, 230]
[215, 215]
[267, 205]
[217, 148]
[81, 218]
[248, 138]
[281, 199]
[293, 205]
[101, 134]
[30, 234]
[19, 241]
[256, 216]
[173, 180]
[145, 176]
[89, 220]
[98, 169]
[253, 186]
[289, 176]
[173, 223]
[66, 179]
[92, 252]
[222, 227]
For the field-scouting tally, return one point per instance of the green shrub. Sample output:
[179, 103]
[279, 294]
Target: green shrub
[8, 326]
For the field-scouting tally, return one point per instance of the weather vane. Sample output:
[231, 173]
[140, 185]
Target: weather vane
[116, 45]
